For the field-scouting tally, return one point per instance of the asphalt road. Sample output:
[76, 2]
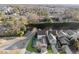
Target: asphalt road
[19, 44]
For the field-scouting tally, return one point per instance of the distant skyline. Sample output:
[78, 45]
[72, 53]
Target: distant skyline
[46, 5]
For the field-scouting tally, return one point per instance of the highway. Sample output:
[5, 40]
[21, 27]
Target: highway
[19, 44]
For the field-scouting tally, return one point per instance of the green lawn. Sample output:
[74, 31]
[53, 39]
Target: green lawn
[30, 48]
[49, 50]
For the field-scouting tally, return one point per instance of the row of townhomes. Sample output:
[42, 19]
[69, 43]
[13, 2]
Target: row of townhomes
[39, 29]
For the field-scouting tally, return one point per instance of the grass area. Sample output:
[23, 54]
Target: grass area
[49, 50]
[30, 48]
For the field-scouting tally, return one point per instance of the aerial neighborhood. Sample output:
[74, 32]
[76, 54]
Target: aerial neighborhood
[39, 29]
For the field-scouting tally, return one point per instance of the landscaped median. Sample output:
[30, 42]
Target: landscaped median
[30, 47]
